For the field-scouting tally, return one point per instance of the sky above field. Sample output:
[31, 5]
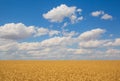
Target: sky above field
[59, 29]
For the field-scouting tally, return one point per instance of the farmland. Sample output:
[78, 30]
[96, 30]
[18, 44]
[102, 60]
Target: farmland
[71, 70]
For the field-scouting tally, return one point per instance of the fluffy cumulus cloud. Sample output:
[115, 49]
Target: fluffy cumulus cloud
[92, 34]
[54, 44]
[61, 12]
[102, 15]
[68, 45]
[17, 31]
[106, 17]
[97, 13]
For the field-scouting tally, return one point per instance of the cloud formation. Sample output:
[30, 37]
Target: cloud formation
[115, 42]
[106, 17]
[97, 13]
[92, 34]
[70, 45]
[17, 31]
[61, 12]
[102, 15]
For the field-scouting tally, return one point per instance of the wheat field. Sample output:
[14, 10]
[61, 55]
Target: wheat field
[60, 70]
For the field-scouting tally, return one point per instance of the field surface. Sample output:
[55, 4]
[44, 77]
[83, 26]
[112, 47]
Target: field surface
[59, 70]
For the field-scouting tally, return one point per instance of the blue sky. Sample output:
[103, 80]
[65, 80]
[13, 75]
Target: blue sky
[59, 29]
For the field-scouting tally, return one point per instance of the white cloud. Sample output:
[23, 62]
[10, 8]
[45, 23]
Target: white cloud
[29, 46]
[44, 31]
[73, 18]
[97, 13]
[57, 41]
[116, 42]
[101, 14]
[45, 47]
[8, 47]
[5, 41]
[92, 34]
[69, 45]
[92, 44]
[16, 31]
[106, 17]
[80, 18]
[79, 11]
[61, 12]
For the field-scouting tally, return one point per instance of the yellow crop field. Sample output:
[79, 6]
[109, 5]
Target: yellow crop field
[60, 70]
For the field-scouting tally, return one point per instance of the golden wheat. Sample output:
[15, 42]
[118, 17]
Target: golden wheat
[59, 70]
